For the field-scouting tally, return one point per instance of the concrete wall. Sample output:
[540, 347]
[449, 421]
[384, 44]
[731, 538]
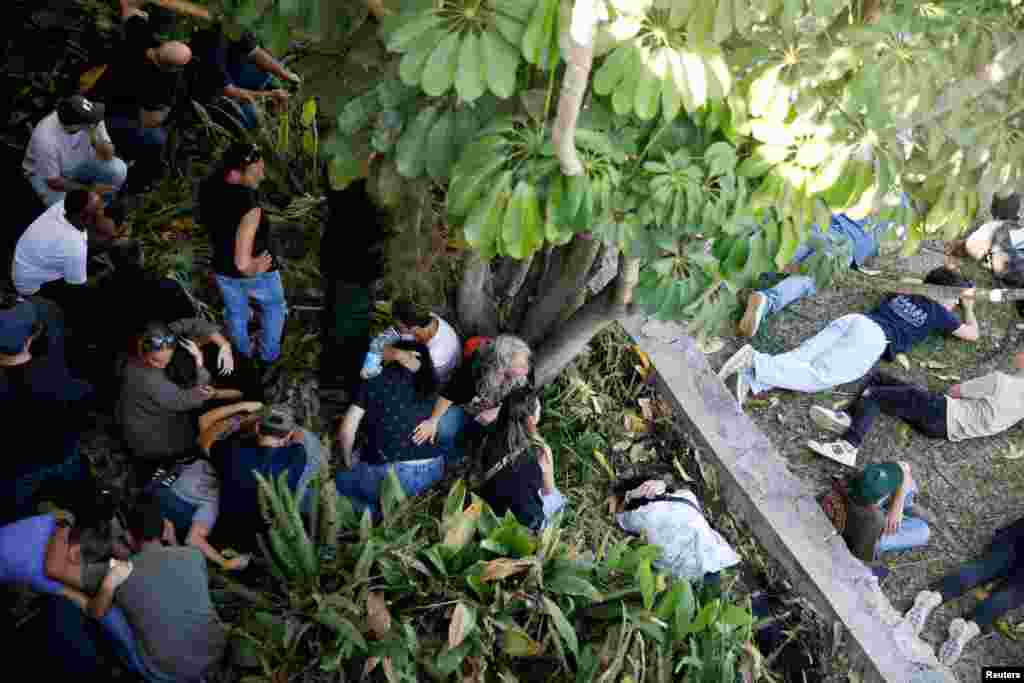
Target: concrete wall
[783, 513]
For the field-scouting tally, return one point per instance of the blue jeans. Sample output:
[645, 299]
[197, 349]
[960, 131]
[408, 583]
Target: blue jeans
[361, 484]
[177, 511]
[455, 431]
[842, 352]
[913, 532]
[793, 288]
[144, 146]
[1000, 561]
[266, 290]
[247, 75]
[923, 410]
[93, 171]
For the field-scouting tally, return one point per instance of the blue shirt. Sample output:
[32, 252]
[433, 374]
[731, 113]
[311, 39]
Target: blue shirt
[908, 319]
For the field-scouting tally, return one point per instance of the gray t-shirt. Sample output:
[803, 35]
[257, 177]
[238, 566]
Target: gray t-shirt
[154, 412]
[197, 484]
[167, 602]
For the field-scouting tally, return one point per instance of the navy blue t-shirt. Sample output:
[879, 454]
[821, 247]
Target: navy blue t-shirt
[907, 319]
[393, 410]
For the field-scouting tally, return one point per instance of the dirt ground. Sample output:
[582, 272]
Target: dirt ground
[972, 488]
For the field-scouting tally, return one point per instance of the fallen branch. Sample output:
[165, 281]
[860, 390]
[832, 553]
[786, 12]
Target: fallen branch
[578, 60]
[938, 292]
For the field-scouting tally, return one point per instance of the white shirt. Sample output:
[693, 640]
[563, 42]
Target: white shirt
[52, 152]
[50, 249]
[445, 350]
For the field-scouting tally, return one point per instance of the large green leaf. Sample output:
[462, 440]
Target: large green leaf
[483, 226]
[645, 577]
[569, 583]
[411, 28]
[470, 79]
[565, 629]
[439, 71]
[440, 149]
[410, 68]
[391, 494]
[410, 156]
[522, 231]
[611, 71]
[501, 61]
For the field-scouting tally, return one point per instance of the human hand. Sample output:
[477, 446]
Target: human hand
[425, 431]
[225, 360]
[280, 95]
[102, 189]
[104, 151]
[119, 572]
[293, 77]
[488, 416]
[547, 467]
[193, 349]
[967, 296]
[649, 489]
[206, 391]
[251, 406]
[263, 262]
[169, 536]
[237, 563]
[894, 519]
[410, 360]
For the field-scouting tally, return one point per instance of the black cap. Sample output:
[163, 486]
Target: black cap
[77, 110]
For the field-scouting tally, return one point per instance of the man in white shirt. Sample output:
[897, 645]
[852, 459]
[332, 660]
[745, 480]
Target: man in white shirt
[413, 322]
[71, 149]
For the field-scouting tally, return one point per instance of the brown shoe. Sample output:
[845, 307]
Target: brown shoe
[752, 317]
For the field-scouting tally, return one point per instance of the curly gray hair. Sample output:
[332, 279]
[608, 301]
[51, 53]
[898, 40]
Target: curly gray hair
[495, 383]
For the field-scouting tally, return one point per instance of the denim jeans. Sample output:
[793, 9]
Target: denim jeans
[247, 75]
[793, 288]
[93, 171]
[144, 146]
[361, 484]
[177, 511]
[456, 430]
[923, 410]
[266, 290]
[913, 531]
[842, 352]
[1000, 561]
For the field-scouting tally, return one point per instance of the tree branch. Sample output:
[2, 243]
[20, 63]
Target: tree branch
[477, 313]
[552, 300]
[578, 60]
[625, 283]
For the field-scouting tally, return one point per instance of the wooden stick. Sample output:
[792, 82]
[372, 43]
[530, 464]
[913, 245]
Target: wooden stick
[939, 292]
[185, 7]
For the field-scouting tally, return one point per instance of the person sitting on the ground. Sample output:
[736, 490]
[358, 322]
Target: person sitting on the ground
[413, 322]
[519, 469]
[139, 89]
[862, 238]
[880, 515]
[473, 398]
[189, 494]
[35, 386]
[156, 415]
[675, 522]
[269, 442]
[71, 149]
[388, 407]
[165, 593]
[984, 406]
[243, 264]
[1003, 561]
[849, 347]
[240, 70]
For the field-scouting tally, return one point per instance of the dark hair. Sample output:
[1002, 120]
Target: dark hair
[75, 202]
[183, 370]
[239, 155]
[425, 379]
[511, 433]
[145, 520]
[944, 277]
[152, 330]
[116, 212]
[1006, 208]
[411, 314]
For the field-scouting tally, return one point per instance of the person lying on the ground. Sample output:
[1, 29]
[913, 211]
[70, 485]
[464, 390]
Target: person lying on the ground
[387, 408]
[70, 149]
[850, 346]
[139, 90]
[156, 415]
[674, 522]
[997, 244]
[189, 493]
[519, 469]
[243, 265]
[240, 70]
[880, 515]
[269, 442]
[164, 591]
[413, 322]
[1003, 561]
[862, 238]
[473, 398]
[984, 406]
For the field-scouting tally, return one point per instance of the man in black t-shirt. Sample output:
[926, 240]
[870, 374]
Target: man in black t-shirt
[849, 347]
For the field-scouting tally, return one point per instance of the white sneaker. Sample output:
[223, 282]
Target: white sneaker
[960, 633]
[753, 315]
[840, 451]
[834, 421]
[741, 360]
[742, 387]
[924, 603]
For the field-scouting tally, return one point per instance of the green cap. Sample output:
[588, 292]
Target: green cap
[875, 483]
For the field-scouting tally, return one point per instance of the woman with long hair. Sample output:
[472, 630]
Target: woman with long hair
[519, 471]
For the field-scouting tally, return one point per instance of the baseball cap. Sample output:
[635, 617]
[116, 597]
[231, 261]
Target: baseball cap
[875, 483]
[16, 326]
[277, 419]
[77, 110]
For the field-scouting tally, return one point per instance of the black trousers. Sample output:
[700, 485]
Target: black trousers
[923, 410]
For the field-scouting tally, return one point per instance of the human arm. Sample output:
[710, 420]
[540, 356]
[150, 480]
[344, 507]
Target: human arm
[969, 330]
[250, 96]
[244, 260]
[101, 142]
[347, 431]
[213, 418]
[266, 62]
[894, 517]
[153, 118]
[100, 603]
[57, 562]
[427, 430]
[75, 596]
[168, 396]
[198, 534]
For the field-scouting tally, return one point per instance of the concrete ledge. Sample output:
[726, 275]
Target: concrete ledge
[783, 513]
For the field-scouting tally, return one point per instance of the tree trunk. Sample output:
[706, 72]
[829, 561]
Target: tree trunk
[516, 311]
[510, 277]
[578, 60]
[476, 310]
[572, 278]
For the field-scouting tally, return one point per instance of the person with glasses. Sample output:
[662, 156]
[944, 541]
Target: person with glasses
[71, 149]
[139, 89]
[244, 266]
[159, 419]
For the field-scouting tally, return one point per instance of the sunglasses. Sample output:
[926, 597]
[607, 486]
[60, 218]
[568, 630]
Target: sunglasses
[252, 155]
[157, 342]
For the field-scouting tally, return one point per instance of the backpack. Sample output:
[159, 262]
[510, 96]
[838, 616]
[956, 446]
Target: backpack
[836, 504]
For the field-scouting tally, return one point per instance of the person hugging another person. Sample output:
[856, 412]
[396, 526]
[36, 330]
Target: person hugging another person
[413, 322]
[388, 407]
[472, 400]
[518, 466]
[243, 265]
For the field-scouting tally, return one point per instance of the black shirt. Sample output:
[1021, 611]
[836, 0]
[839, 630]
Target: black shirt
[221, 208]
[907, 319]
[351, 246]
[462, 387]
[393, 410]
[133, 82]
[516, 487]
[213, 53]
